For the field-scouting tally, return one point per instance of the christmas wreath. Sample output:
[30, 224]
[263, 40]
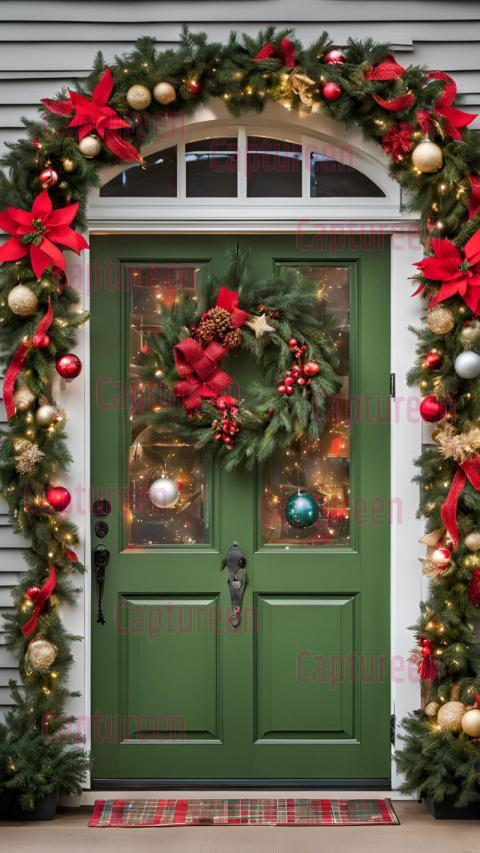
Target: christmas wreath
[435, 157]
[279, 324]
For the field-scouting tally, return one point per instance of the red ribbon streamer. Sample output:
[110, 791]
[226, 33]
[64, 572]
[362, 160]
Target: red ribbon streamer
[13, 370]
[453, 117]
[198, 369]
[228, 299]
[387, 70]
[427, 669]
[40, 599]
[468, 470]
[285, 52]
[474, 205]
[400, 103]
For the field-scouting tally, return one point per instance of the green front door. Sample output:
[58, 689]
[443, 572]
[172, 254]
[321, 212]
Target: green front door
[300, 691]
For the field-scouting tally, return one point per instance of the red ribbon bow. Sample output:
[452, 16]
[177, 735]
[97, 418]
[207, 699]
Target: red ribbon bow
[228, 299]
[198, 369]
[13, 370]
[93, 114]
[426, 666]
[285, 51]
[389, 69]
[39, 598]
[453, 117]
[468, 470]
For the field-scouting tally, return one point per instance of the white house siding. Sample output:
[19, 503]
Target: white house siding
[43, 44]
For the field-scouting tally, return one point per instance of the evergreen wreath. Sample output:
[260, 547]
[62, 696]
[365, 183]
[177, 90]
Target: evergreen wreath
[435, 158]
[276, 322]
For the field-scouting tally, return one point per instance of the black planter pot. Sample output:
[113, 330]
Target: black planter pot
[45, 808]
[446, 810]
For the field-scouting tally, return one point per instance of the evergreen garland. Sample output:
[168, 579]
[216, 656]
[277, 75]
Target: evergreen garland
[393, 106]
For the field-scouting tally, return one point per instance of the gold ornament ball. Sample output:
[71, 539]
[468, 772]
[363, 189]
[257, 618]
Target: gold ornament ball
[90, 146]
[68, 165]
[427, 157]
[469, 334]
[431, 709]
[164, 93]
[450, 716]
[472, 540]
[45, 415]
[23, 398]
[471, 722]
[41, 654]
[139, 97]
[440, 320]
[22, 301]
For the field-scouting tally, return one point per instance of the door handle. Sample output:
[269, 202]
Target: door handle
[101, 558]
[235, 561]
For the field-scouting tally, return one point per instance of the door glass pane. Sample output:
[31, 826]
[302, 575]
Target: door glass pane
[211, 168]
[157, 179]
[314, 478]
[167, 479]
[274, 168]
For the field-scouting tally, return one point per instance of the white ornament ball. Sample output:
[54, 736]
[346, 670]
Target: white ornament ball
[163, 493]
[23, 398]
[467, 365]
[471, 722]
[90, 146]
[164, 93]
[472, 541]
[427, 157]
[139, 97]
[450, 716]
[45, 415]
[22, 301]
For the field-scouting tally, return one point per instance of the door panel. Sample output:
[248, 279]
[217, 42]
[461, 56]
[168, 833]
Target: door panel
[301, 689]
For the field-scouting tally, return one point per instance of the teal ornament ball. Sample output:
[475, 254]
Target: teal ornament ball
[301, 509]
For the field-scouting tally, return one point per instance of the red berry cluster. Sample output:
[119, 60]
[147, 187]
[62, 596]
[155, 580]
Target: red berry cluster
[226, 427]
[301, 372]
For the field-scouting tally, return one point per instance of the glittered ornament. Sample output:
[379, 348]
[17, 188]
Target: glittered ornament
[467, 365]
[432, 360]
[471, 722]
[441, 557]
[431, 709]
[470, 333]
[427, 157]
[472, 540]
[450, 716]
[58, 498]
[440, 320]
[331, 91]
[139, 97]
[194, 87]
[163, 493]
[41, 654]
[46, 415]
[164, 93]
[473, 589]
[22, 301]
[68, 165]
[431, 409]
[301, 509]
[69, 366]
[29, 458]
[23, 398]
[334, 57]
[90, 146]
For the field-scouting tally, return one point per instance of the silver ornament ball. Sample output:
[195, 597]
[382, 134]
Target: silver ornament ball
[467, 365]
[45, 415]
[163, 493]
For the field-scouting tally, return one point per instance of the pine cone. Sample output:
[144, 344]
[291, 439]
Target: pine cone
[213, 326]
[232, 339]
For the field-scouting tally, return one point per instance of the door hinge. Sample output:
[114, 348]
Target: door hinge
[392, 729]
[392, 385]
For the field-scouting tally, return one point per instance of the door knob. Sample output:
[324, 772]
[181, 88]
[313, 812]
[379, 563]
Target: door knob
[235, 561]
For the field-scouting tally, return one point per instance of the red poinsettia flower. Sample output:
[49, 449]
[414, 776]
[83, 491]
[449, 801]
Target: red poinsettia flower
[459, 272]
[398, 141]
[94, 115]
[37, 232]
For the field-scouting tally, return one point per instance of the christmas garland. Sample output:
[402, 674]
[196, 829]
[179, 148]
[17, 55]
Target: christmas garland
[436, 159]
[276, 322]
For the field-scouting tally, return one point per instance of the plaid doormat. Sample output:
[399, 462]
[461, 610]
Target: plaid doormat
[243, 812]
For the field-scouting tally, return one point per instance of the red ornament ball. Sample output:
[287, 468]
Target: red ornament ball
[48, 178]
[33, 592]
[441, 557]
[432, 360]
[473, 590]
[311, 368]
[194, 87]
[69, 366]
[292, 343]
[58, 497]
[331, 91]
[334, 57]
[71, 555]
[431, 409]
[44, 342]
